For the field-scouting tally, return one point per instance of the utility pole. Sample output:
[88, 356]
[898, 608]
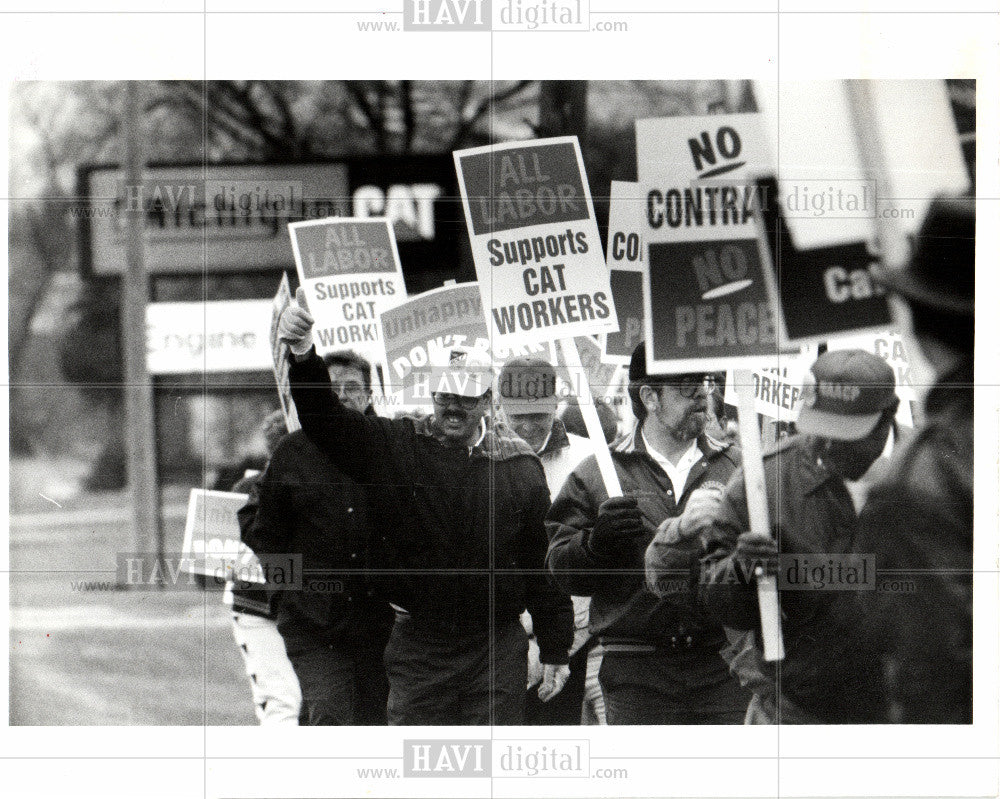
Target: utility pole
[140, 437]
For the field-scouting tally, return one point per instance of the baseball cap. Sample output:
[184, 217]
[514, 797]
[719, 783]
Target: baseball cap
[528, 385]
[844, 394]
[463, 371]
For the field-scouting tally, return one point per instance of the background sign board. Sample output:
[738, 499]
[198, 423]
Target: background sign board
[535, 241]
[351, 273]
[709, 303]
[207, 337]
[212, 544]
[626, 290]
[626, 220]
[279, 356]
[234, 217]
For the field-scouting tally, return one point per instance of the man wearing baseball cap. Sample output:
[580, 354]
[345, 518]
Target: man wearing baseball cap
[847, 408]
[459, 503]
[529, 400]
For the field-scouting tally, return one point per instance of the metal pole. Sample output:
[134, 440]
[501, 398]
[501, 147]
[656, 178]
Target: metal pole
[140, 439]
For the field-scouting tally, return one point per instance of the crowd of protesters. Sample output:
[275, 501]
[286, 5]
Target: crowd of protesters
[485, 576]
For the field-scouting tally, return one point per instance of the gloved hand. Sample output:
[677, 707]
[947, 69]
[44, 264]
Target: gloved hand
[618, 521]
[701, 509]
[295, 324]
[553, 680]
[755, 549]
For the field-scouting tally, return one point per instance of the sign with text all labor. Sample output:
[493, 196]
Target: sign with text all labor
[420, 332]
[708, 300]
[279, 356]
[203, 337]
[626, 291]
[212, 543]
[535, 241]
[351, 273]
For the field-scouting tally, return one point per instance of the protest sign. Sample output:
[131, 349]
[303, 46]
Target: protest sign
[601, 375]
[535, 241]
[351, 273]
[823, 291]
[708, 300]
[625, 257]
[626, 291]
[279, 356]
[212, 545]
[200, 337]
[419, 331]
[776, 386]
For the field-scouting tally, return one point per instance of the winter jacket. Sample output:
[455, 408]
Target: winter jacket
[815, 517]
[622, 611]
[303, 504]
[460, 531]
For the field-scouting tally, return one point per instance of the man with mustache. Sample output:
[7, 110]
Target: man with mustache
[459, 503]
[661, 660]
[848, 406]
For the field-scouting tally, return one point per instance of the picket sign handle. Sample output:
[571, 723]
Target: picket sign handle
[571, 357]
[753, 474]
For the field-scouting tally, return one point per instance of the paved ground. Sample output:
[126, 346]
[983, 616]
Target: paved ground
[89, 654]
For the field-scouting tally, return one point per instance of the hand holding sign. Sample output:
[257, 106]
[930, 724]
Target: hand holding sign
[295, 325]
[700, 510]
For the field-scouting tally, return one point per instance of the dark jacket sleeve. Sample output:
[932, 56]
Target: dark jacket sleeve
[551, 610]
[265, 519]
[576, 569]
[353, 441]
[724, 590]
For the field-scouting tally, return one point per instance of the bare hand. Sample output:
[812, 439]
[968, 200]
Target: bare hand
[553, 680]
[295, 324]
[535, 671]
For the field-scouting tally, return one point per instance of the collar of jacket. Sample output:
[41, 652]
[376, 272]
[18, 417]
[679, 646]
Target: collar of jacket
[558, 438]
[633, 444]
[499, 444]
[808, 463]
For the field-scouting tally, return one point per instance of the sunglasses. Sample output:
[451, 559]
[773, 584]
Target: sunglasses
[444, 399]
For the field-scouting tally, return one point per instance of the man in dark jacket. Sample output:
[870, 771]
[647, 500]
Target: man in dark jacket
[918, 522]
[335, 628]
[661, 661]
[459, 504]
[849, 402]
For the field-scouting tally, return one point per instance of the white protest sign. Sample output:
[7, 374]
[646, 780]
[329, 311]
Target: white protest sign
[535, 241]
[776, 387]
[351, 273]
[279, 356]
[626, 220]
[200, 337]
[212, 543]
[709, 299]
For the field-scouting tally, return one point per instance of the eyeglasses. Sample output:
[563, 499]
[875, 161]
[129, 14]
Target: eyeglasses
[444, 399]
[688, 385]
[349, 390]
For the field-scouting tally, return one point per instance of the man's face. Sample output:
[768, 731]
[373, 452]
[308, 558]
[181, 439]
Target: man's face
[457, 418]
[680, 409]
[533, 427]
[349, 385]
[851, 459]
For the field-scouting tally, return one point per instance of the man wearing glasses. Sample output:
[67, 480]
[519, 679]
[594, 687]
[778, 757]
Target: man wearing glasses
[661, 658]
[459, 504]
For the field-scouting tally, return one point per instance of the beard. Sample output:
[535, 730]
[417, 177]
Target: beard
[691, 425]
